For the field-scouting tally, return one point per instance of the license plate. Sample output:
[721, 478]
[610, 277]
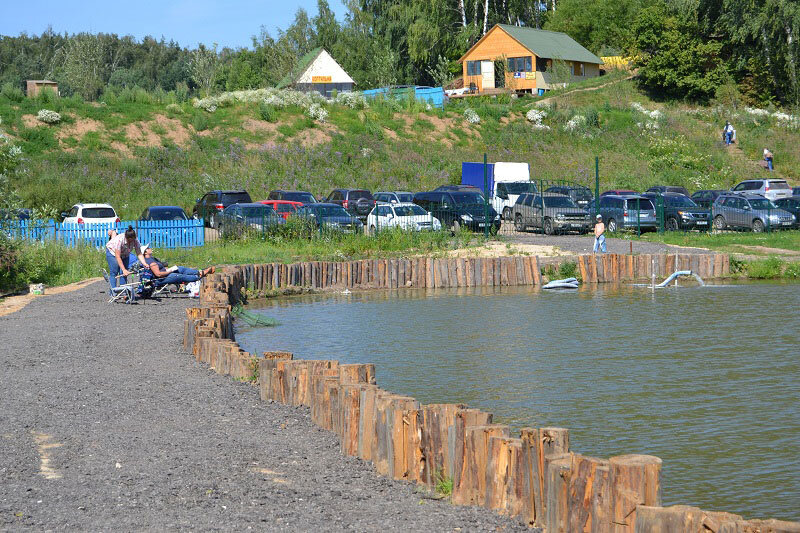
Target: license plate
[701, 223]
[786, 223]
[482, 225]
[575, 226]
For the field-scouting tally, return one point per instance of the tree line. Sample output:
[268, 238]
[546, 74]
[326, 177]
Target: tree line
[684, 49]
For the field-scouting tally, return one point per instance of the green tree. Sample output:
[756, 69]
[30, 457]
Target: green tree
[203, 67]
[83, 66]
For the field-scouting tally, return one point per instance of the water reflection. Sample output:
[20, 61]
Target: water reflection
[705, 378]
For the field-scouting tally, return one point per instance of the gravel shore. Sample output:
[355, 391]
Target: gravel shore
[105, 423]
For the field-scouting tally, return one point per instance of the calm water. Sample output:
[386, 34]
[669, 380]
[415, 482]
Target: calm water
[707, 378]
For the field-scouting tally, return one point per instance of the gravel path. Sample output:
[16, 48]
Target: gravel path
[105, 423]
[582, 244]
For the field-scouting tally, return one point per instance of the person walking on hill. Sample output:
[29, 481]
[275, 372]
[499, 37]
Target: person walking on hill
[599, 235]
[728, 133]
[768, 159]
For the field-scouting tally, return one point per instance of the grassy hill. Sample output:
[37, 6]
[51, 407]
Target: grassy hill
[136, 149]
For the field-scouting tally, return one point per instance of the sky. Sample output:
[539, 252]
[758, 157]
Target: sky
[189, 22]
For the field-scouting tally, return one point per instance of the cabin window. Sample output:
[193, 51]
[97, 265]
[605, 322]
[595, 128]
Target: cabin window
[541, 64]
[473, 68]
[577, 68]
[520, 64]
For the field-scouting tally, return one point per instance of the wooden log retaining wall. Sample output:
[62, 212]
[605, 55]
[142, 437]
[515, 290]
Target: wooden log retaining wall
[535, 477]
[427, 273]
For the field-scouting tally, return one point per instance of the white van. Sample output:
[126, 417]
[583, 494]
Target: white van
[90, 214]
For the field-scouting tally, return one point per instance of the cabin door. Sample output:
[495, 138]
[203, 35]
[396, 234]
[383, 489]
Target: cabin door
[487, 70]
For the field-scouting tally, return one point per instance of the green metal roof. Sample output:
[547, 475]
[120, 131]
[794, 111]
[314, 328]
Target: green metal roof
[551, 44]
[298, 69]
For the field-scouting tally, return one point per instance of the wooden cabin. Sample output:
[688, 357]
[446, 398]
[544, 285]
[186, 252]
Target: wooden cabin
[535, 60]
[34, 87]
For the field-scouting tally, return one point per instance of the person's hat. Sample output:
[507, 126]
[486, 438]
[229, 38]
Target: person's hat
[599, 217]
[145, 247]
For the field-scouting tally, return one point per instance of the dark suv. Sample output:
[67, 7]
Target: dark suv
[293, 196]
[210, 206]
[706, 197]
[580, 195]
[357, 202]
[455, 209]
[680, 212]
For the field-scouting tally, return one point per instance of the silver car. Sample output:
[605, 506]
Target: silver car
[549, 212]
[622, 212]
[749, 211]
[768, 188]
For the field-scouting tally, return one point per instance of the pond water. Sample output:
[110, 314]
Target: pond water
[706, 378]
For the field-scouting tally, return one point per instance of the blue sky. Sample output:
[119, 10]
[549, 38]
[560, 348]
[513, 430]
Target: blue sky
[229, 23]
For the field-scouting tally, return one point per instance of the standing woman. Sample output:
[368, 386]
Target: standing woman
[118, 251]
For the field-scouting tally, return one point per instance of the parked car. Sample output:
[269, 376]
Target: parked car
[792, 205]
[239, 218]
[90, 214]
[283, 207]
[749, 211]
[768, 188]
[551, 213]
[357, 202]
[620, 212]
[455, 188]
[210, 206]
[668, 188]
[330, 216]
[705, 198]
[619, 192]
[395, 197]
[405, 215]
[164, 212]
[293, 196]
[680, 212]
[580, 195]
[455, 209]
[795, 191]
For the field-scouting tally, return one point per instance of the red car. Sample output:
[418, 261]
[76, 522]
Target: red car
[283, 207]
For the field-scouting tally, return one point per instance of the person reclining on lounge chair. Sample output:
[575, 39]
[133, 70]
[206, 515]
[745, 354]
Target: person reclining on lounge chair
[174, 274]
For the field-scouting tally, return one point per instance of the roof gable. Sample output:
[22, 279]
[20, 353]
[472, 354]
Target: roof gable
[543, 43]
[316, 62]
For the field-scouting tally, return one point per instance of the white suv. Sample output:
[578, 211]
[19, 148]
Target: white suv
[403, 215]
[769, 189]
[90, 214]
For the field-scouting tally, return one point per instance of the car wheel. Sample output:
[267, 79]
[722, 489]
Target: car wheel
[672, 224]
[719, 223]
[612, 226]
[548, 226]
[518, 225]
[507, 214]
[758, 226]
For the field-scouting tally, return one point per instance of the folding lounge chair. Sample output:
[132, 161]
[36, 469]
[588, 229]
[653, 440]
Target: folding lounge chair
[125, 292]
[152, 287]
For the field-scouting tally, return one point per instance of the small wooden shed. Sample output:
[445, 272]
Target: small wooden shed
[529, 55]
[318, 71]
[34, 87]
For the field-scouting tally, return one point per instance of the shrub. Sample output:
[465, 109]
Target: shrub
[267, 112]
[174, 109]
[771, 267]
[12, 92]
[535, 117]
[576, 124]
[471, 116]
[48, 117]
[200, 122]
[317, 112]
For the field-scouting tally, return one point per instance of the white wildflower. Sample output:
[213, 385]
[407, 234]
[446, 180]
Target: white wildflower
[317, 112]
[471, 116]
[428, 107]
[353, 100]
[48, 117]
[535, 117]
[757, 112]
[366, 152]
[578, 122]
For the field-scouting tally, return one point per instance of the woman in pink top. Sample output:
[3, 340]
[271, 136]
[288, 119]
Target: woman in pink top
[118, 252]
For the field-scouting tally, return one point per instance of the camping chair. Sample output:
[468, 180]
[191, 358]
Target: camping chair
[153, 287]
[125, 292]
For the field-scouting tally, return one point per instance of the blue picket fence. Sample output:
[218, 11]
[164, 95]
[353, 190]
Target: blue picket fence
[431, 95]
[159, 233]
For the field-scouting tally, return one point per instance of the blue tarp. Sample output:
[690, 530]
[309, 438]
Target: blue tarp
[432, 95]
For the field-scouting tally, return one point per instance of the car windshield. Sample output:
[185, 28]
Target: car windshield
[330, 211]
[168, 214]
[98, 212]
[680, 201]
[582, 194]
[405, 197]
[558, 201]
[409, 211]
[466, 198]
[519, 187]
[762, 203]
[230, 198]
[304, 197]
[256, 211]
